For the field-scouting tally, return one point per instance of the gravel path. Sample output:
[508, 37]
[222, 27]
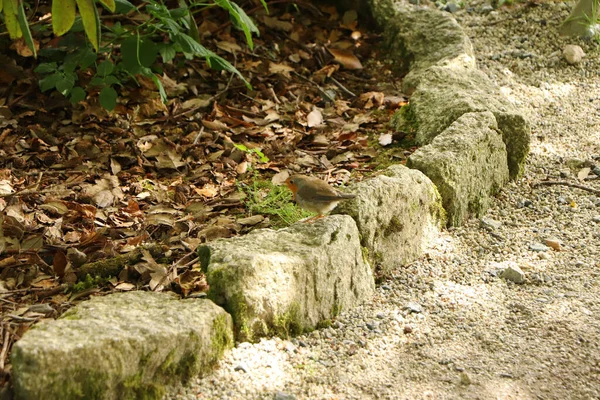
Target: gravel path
[447, 327]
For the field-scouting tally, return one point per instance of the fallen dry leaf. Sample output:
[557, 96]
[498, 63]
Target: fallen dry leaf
[280, 68]
[276, 24]
[209, 190]
[345, 58]
[583, 173]
[371, 99]
[105, 192]
[125, 286]
[280, 177]
[314, 118]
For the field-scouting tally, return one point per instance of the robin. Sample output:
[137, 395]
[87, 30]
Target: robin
[315, 195]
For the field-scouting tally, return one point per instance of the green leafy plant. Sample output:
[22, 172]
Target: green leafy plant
[263, 197]
[118, 53]
[16, 22]
[88, 283]
[261, 157]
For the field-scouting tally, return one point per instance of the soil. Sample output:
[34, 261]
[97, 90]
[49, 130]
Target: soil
[447, 326]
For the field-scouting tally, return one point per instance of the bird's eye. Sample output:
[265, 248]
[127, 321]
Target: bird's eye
[292, 181]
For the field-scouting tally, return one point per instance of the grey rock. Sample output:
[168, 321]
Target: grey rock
[486, 9]
[241, 367]
[77, 257]
[596, 219]
[451, 8]
[372, 325]
[464, 379]
[289, 280]
[397, 213]
[576, 163]
[573, 54]
[513, 273]
[414, 307]
[422, 35]
[284, 396]
[491, 224]
[120, 346]
[538, 247]
[444, 94]
[290, 347]
[467, 162]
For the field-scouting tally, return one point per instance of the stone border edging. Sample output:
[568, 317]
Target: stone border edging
[130, 345]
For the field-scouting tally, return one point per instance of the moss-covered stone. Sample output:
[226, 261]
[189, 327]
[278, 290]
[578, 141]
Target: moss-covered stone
[392, 211]
[139, 343]
[284, 282]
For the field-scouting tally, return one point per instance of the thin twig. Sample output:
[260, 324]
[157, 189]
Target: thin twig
[192, 262]
[563, 183]
[24, 319]
[31, 289]
[197, 139]
[272, 91]
[249, 98]
[5, 346]
[242, 111]
[8, 301]
[344, 89]
[323, 92]
[56, 172]
[175, 266]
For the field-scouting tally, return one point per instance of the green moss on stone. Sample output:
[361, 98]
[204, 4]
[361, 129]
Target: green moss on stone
[394, 226]
[290, 322]
[222, 339]
[237, 307]
[336, 309]
[436, 209]
[334, 236]
[377, 257]
[326, 323]
[71, 315]
[85, 384]
[168, 366]
[188, 366]
[204, 257]
[405, 119]
[88, 283]
[135, 388]
[365, 254]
